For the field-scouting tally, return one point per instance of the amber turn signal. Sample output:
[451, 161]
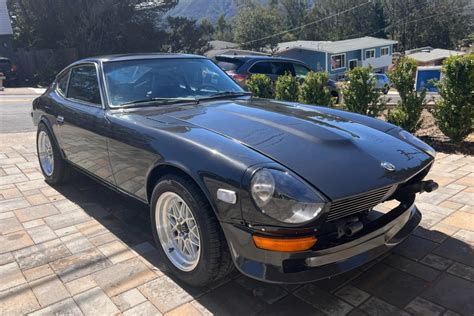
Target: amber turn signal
[284, 244]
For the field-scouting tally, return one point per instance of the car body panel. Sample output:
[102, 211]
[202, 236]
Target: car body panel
[326, 150]
[8, 69]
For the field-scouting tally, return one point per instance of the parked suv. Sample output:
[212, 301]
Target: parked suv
[240, 68]
[9, 70]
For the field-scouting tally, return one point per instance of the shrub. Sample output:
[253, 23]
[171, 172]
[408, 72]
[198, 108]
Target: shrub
[286, 88]
[407, 112]
[454, 113]
[261, 86]
[314, 89]
[360, 95]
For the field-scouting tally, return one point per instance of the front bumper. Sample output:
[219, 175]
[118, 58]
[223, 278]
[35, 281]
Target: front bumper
[301, 267]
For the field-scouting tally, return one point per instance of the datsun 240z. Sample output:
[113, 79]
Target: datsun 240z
[285, 192]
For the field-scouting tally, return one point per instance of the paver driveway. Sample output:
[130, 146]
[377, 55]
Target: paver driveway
[83, 249]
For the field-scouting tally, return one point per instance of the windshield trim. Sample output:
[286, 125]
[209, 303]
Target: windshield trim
[106, 88]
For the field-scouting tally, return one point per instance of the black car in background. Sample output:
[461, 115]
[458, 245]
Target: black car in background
[240, 68]
[285, 192]
[9, 70]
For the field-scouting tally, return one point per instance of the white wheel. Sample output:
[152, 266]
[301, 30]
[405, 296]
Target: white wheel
[45, 153]
[178, 231]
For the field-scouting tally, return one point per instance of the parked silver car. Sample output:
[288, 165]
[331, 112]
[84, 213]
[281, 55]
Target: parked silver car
[382, 82]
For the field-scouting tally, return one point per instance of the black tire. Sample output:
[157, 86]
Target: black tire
[385, 90]
[215, 261]
[61, 170]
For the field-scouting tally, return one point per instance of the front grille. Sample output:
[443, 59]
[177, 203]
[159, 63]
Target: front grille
[362, 202]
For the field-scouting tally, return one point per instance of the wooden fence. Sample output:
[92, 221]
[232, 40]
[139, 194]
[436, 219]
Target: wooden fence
[40, 66]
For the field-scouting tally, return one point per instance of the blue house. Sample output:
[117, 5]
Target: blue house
[339, 56]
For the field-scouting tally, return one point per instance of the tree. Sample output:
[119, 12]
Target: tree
[436, 23]
[363, 19]
[454, 113]
[186, 36]
[223, 30]
[286, 88]
[407, 112]
[295, 12]
[360, 95]
[314, 89]
[255, 27]
[92, 26]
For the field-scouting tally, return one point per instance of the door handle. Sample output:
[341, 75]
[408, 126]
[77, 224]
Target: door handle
[60, 120]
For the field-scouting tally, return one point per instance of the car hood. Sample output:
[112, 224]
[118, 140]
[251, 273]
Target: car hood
[338, 156]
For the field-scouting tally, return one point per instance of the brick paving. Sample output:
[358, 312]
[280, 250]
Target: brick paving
[83, 249]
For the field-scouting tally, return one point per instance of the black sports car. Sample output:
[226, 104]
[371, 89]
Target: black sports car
[283, 191]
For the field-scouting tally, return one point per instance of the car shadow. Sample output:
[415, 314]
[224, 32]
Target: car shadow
[129, 220]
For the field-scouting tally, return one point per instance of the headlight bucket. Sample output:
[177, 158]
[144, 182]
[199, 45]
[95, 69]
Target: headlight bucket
[284, 197]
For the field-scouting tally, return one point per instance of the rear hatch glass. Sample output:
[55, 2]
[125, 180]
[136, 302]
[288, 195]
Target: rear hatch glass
[5, 65]
[228, 64]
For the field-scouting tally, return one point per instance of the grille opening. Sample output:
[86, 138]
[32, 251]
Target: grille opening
[362, 202]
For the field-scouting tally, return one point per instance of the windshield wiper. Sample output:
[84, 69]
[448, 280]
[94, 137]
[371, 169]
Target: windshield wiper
[163, 101]
[227, 94]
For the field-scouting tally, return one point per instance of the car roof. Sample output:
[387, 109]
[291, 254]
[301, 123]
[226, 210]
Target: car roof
[135, 56]
[247, 58]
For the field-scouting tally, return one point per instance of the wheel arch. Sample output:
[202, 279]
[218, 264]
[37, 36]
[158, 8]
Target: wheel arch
[44, 120]
[163, 169]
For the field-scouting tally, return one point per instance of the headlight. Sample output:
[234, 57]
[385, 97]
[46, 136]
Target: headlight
[409, 138]
[284, 197]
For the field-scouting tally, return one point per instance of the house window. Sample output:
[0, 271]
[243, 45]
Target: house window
[370, 53]
[338, 61]
[384, 51]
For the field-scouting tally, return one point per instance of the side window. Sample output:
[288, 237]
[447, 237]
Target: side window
[83, 85]
[280, 68]
[300, 70]
[62, 83]
[261, 68]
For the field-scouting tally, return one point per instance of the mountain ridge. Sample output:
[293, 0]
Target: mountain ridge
[209, 9]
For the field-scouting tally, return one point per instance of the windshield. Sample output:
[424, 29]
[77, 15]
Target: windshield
[135, 81]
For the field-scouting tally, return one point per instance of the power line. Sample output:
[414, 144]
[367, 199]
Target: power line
[307, 24]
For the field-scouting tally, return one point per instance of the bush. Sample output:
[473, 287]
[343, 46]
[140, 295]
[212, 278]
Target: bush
[407, 112]
[454, 113]
[286, 88]
[261, 86]
[314, 89]
[360, 95]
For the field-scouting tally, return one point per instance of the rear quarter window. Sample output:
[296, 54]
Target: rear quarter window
[62, 83]
[83, 84]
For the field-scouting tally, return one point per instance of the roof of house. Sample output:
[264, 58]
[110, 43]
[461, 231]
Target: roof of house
[5, 24]
[336, 46]
[228, 48]
[429, 54]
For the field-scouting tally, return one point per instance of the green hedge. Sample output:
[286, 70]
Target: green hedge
[407, 112]
[454, 113]
[360, 94]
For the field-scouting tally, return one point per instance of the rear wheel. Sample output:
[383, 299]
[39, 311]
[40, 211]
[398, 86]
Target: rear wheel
[55, 169]
[187, 233]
